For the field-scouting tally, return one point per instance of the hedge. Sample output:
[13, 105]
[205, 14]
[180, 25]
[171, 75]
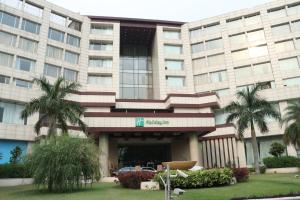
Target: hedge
[281, 162]
[14, 171]
[133, 179]
[199, 179]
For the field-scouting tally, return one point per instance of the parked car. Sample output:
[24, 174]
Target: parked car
[149, 169]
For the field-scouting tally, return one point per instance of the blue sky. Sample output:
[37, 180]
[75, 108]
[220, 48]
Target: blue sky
[180, 10]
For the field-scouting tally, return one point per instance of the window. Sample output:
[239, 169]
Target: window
[293, 9]
[100, 46]
[30, 26]
[211, 28]
[173, 49]
[240, 54]
[199, 63]
[74, 24]
[174, 64]
[297, 43]
[56, 35]
[33, 9]
[222, 92]
[58, 19]
[175, 81]
[214, 44]
[52, 70]
[23, 83]
[258, 51]
[101, 29]
[219, 76]
[7, 39]
[10, 113]
[13, 3]
[70, 75]
[220, 117]
[100, 62]
[277, 13]
[252, 19]
[280, 29]
[239, 39]
[4, 79]
[173, 35]
[215, 60]
[6, 59]
[284, 46]
[196, 33]
[288, 64]
[54, 52]
[254, 36]
[296, 26]
[291, 81]
[71, 57]
[201, 79]
[198, 47]
[100, 79]
[28, 45]
[234, 23]
[25, 64]
[73, 40]
[242, 72]
[8, 19]
[262, 68]
[267, 85]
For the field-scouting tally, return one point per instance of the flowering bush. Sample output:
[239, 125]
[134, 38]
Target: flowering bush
[133, 179]
[241, 174]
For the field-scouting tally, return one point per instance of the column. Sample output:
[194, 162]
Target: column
[103, 155]
[194, 147]
[241, 153]
[291, 150]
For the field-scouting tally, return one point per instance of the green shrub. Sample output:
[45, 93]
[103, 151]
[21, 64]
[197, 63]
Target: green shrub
[61, 163]
[281, 162]
[133, 179]
[276, 149]
[199, 179]
[14, 171]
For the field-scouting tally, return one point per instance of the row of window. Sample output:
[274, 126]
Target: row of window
[59, 36]
[57, 53]
[101, 45]
[207, 45]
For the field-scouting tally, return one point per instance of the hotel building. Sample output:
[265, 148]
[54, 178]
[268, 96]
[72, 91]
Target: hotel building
[151, 88]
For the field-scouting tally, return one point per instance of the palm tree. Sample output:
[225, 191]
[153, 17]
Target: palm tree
[292, 121]
[53, 108]
[248, 111]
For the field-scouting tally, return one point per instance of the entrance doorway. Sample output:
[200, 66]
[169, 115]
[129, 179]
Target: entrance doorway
[143, 155]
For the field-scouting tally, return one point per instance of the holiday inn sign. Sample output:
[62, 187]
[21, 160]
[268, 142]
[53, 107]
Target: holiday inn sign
[141, 122]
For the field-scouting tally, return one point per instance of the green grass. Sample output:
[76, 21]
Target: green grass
[258, 185]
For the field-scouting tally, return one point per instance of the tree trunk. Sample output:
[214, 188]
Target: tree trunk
[52, 127]
[255, 149]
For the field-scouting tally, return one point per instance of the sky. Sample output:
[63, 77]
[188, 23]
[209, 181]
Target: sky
[180, 10]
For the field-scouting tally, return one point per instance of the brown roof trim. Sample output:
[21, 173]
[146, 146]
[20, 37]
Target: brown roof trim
[141, 100]
[95, 93]
[101, 130]
[217, 137]
[203, 105]
[224, 125]
[190, 95]
[96, 105]
[136, 20]
[162, 115]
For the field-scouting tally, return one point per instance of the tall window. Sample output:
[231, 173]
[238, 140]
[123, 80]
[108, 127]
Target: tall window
[240, 54]
[277, 13]
[258, 51]
[100, 62]
[201, 79]
[289, 64]
[4, 79]
[25, 64]
[281, 29]
[242, 72]
[254, 36]
[219, 76]
[293, 9]
[292, 81]
[8, 39]
[10, 113]
[54, 52]
[22, 83]
[284, 46]
[214, 44]
[172, 34]
[175, 81]
[262, 68]
[6, 59]
[100, 29]
[252, 19]
[70, 75]
[73, 40]
[56, 35]
[295, 26]
[33, 9]
[198, 47]
[199, 63]
[238, 39]
[71, 57]
[28, 45]
[220, 117]
[74, 24]
[58, 19]
[100, 46]
[9, 19]
[13, 3]
[174, 64]
[216, 60]
[52, 70]
[173, 49]
[30, 26]
[100, 79]
[235, 22]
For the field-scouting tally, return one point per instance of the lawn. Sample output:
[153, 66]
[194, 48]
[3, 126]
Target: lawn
[258, 185]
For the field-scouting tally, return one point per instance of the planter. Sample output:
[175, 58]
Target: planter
[283, 170]
[5, 182]
[183, 165]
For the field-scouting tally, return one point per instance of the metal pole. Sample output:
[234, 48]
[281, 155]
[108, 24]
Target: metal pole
[168, 183]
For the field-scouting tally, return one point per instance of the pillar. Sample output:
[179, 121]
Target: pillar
[103, 155]
[194, 148]
[291, 150]
[241, 153]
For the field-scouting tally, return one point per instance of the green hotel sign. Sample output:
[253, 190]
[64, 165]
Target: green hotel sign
[140, 122]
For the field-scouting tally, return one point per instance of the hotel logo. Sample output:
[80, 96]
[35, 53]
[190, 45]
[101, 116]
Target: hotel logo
[139, 122]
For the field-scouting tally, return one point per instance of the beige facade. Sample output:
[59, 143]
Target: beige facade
[189, 62]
